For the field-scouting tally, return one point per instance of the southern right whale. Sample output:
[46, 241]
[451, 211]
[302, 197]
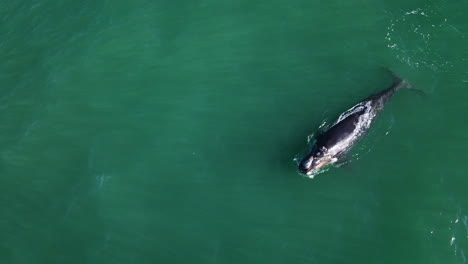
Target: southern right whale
[333, 144]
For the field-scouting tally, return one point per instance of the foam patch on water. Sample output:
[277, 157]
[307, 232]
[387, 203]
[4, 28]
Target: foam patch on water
[414, 37]
[459, 229]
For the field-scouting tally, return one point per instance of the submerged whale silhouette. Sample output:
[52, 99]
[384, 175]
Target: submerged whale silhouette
[333, 144]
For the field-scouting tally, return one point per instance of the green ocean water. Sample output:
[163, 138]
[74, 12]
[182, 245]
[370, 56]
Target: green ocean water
[166, 131]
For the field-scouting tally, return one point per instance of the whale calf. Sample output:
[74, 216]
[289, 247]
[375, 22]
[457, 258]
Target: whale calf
[333, 144]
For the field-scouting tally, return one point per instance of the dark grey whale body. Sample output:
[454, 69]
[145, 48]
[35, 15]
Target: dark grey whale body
[333, 144]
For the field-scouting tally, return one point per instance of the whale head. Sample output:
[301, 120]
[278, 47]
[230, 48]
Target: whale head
[315, 161]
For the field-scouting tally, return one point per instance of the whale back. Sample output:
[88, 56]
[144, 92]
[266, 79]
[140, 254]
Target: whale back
[340, 131]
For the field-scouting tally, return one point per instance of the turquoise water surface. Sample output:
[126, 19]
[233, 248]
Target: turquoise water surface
[166, 131]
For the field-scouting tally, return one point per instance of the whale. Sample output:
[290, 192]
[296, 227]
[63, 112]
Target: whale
[332, 145]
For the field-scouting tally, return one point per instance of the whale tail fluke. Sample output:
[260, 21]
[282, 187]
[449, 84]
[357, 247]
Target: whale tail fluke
[396, 79]
[399, 83]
